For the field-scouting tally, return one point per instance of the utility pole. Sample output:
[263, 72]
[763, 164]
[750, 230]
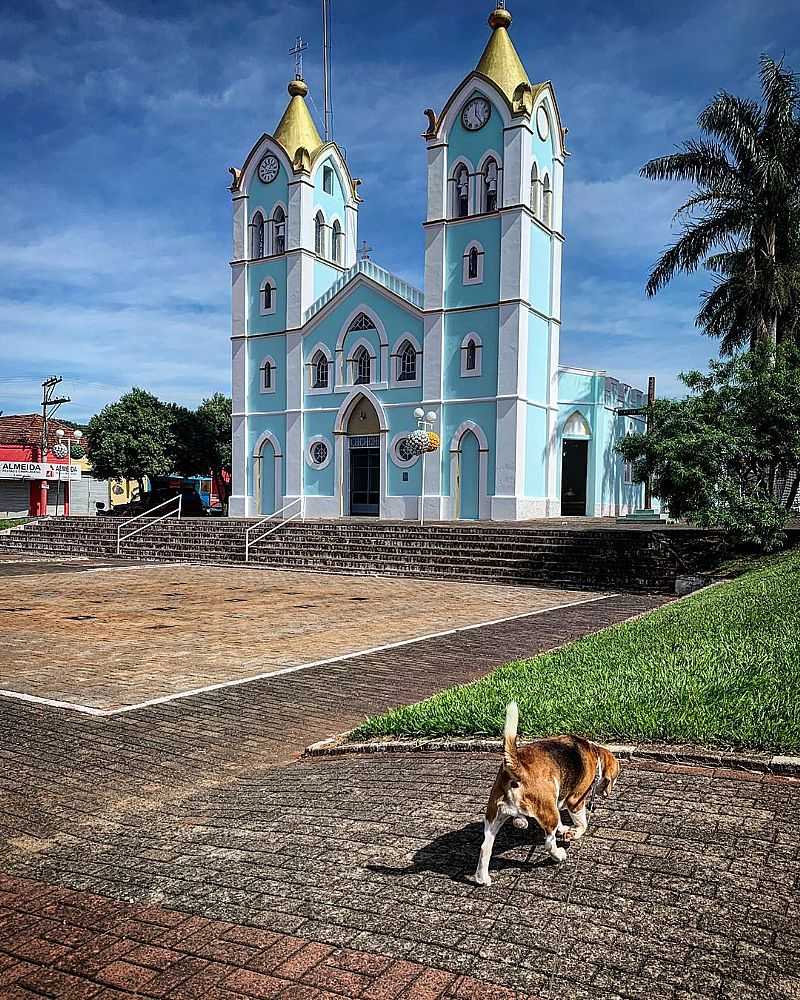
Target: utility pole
[645, 411]
[49, 407]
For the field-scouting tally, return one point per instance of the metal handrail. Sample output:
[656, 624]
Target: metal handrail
[248, 542]
[149, 524]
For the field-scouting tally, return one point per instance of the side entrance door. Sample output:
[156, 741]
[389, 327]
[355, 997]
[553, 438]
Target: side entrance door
[365, 482]
[574, 465]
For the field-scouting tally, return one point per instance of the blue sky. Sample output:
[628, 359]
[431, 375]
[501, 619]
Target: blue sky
[121, 119]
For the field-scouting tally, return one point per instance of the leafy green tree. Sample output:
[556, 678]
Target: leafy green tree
[214, 415]
[132, 438]
[745, 206]
[728, 456]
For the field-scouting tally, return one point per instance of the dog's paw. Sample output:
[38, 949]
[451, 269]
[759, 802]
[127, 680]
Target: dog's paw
[481, 879]
[558, 854]
[520, 822]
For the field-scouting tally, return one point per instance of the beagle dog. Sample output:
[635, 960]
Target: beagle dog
[540, 779]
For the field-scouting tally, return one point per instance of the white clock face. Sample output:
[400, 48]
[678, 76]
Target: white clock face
[268, 169]
[476, 113]
[542, 123]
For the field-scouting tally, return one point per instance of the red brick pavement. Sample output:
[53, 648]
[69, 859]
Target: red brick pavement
[56, 942]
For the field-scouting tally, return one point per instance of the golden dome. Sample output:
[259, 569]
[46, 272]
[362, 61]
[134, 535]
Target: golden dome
[500, 62]
[296, 129]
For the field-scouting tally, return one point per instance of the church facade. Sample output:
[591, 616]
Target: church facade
[332, 355]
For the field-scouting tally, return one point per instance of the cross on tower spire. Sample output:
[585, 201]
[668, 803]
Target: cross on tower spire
[297, 51]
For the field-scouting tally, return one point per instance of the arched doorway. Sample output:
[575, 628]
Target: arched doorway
[268, 460]
[468, 478]
[574, 465]
[364, 460]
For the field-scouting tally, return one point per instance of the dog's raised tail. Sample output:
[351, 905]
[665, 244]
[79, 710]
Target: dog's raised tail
[510, 759]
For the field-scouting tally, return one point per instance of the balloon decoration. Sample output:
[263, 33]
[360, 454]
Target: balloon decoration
[420, 442]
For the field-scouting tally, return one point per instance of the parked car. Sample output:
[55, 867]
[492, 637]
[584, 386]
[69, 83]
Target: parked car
[191, 504]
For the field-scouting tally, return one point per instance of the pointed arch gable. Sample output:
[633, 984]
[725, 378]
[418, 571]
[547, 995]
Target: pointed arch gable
[329, 154]
[263, 438]
[266, 144]
[546, 96]
[576, 424]
[377, 322]
[461, 430]
[474, 83]
[349, 404]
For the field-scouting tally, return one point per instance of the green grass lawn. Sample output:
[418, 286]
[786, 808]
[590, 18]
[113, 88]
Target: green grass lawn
[12, 522]
[719, 668]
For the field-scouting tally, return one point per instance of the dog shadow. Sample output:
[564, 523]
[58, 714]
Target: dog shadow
[455, 854]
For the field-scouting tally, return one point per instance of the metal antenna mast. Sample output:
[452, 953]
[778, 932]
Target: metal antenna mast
[327, 104]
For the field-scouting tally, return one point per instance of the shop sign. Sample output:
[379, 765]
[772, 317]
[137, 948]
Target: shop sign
[38, 470]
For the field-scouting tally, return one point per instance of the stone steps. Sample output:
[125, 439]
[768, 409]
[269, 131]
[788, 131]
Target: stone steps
[601, 558]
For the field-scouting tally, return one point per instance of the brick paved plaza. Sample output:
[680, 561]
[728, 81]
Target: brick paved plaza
[110, 637]
[183, 850]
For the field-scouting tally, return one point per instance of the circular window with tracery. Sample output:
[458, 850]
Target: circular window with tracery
[319, 453]
[402, 452]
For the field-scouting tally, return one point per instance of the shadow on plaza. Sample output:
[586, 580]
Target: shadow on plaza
[455, 854]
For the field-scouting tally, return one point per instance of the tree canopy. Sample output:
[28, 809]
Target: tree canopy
[742, 220]
[132, 438]
[728, 456]
[140, 436]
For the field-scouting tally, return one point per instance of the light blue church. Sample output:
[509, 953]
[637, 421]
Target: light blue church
[332, 355]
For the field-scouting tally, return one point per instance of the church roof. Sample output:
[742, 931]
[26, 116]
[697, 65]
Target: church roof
[391, 282]
[500, 62]
[296, 129]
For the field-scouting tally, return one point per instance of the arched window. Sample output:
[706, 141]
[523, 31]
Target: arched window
[268, 297]
[267, 370]
[361, 322]
[279, 230]
[338, 242]
[319, 234]
[461, 194]
[257, 236]
[490, 185]
[536, 192]
[362, 365]
[547, 202]
[470, 362]
[319, 371]
[407, 362]
[471, 349]
[576, 426]
[472, 269]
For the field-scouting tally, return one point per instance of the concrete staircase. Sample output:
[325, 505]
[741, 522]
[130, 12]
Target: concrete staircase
[606, 558]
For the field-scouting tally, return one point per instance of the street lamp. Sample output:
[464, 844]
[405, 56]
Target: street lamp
[425, 422]
[76, 436]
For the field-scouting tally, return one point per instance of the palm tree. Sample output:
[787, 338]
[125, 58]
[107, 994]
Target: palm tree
[745, 206]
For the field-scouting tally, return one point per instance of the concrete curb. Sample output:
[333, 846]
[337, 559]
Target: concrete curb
[337, 746]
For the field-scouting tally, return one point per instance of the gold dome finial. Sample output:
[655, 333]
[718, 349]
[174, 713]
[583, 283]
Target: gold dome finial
[500, 18]
[296, 130]
[500, 62]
